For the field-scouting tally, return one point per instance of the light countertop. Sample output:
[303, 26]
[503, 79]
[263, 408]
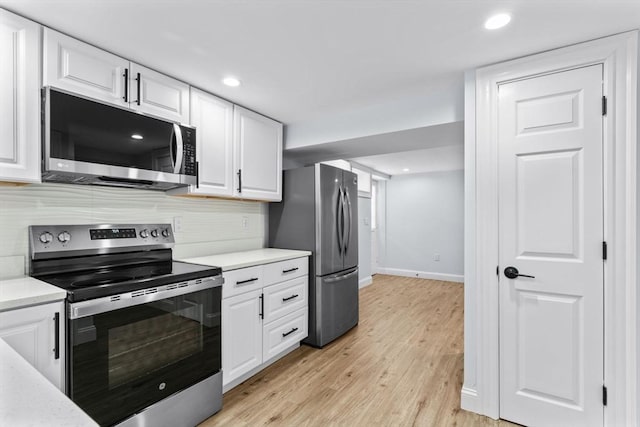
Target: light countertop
[235, 260]
[25, 291]
[28, 399]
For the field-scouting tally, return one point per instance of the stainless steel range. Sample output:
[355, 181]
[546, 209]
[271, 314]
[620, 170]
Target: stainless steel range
[143, 331]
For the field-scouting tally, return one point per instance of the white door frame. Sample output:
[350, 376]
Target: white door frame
[618, 54]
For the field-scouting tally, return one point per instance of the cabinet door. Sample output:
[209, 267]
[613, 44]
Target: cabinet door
[31, 332]
[20, 100]
[258, 155]
[213, 119]
[78, 67]
[241, 335]
[159, 95]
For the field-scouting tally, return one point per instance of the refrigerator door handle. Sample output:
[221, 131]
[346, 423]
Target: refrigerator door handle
[344, 276]
[340, 225]
[347, 238]
[343, 213]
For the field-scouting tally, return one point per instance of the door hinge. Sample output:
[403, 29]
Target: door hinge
[497, 270]
[604, 395]
[604, 105]
[604, 250]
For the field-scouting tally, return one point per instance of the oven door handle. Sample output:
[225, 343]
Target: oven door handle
[92, 307]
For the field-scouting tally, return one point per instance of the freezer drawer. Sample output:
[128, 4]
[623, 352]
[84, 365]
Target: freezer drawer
[336, 306]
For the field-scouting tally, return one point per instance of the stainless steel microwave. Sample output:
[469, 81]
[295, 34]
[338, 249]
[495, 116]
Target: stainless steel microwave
[89, 142]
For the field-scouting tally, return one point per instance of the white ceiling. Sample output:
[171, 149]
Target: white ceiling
[417, 161]
[351, 79]
[304, 59]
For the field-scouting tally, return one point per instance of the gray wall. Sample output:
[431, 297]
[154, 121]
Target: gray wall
[364, 240]
[425, 216]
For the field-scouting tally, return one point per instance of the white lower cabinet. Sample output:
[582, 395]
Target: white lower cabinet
[241, 335]
[263, 316]
[31, 332]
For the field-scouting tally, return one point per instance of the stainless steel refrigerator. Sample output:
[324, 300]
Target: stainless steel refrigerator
[319, 213]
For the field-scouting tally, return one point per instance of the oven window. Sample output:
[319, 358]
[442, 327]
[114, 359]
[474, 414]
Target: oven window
[124, 360]
[151, 344]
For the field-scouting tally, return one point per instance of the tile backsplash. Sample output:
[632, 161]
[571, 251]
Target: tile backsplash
[209, 226]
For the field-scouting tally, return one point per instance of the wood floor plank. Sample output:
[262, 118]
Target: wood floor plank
[401, 366]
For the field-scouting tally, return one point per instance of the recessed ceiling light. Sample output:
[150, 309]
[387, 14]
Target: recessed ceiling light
[497, 21]
[405, 170]
[136, 136]
[231, 81]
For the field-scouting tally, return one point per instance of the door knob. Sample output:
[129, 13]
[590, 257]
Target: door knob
[512, 273]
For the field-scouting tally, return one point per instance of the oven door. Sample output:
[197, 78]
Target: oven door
[123, 360]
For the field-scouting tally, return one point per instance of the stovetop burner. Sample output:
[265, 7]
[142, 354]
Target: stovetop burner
[110, 276]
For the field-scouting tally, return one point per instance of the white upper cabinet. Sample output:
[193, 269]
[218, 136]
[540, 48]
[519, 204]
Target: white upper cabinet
[239, 152]
[158, 95]
[258, 156]
[213, 119]
[78, 67]
[20, 100]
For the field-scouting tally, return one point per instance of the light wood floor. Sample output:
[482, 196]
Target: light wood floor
[401, 366]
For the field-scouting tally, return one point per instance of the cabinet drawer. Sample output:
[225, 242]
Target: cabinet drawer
[285, 270]
[242, 280]
[283, 333]
[285, 298]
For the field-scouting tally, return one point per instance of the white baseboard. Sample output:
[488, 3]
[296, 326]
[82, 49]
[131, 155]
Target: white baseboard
[423, 274]
[469, 400]
[365, 281]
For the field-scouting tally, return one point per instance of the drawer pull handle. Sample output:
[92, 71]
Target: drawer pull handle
[289, 270]
[242, 282]
[289, 333]
[290, 298]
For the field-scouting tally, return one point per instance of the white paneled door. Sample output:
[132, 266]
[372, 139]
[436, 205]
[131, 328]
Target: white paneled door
[551, 227]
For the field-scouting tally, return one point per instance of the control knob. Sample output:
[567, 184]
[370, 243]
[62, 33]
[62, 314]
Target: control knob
[64, 237]
[154, 233]
[165, 232]
[144, 233]
[46, 237]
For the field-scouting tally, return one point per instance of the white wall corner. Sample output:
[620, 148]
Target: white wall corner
[470, 401]
[365, 281]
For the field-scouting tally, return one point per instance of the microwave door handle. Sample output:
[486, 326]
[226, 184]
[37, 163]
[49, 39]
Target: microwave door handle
[179, 148]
